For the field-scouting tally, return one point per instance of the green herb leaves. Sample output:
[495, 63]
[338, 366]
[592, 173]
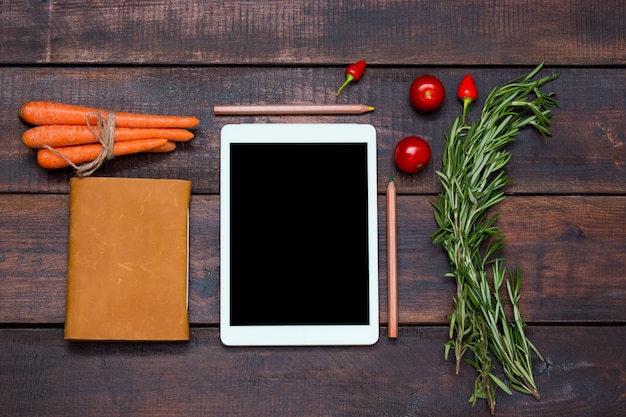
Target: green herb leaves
[473, 178]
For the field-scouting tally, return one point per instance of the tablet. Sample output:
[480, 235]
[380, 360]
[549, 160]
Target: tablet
[299, 235]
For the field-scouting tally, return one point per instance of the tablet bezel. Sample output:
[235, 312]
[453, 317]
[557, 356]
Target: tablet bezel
[293, 335]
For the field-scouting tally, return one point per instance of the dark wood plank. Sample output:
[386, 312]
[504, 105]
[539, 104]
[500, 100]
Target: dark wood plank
[572, 251]
[564, 220]
[183, 32]
[585, 155]
[45, 376]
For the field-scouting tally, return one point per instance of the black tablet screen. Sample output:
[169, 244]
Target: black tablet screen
[298, 234]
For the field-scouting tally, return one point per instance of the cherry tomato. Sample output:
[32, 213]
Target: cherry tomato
[427, 93]
[412, 154]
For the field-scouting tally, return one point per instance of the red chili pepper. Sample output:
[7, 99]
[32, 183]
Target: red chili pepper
[353, 73]
[467, 92]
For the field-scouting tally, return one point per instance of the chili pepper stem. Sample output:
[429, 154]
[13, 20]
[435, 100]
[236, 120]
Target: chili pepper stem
[466, 103]
[349, 79]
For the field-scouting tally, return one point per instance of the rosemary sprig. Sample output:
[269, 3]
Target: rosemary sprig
[472, 178]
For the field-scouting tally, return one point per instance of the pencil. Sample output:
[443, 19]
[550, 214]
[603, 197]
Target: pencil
[229, 110]
[392, 263]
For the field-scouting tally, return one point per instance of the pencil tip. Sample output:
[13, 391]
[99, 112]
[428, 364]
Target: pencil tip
[370, 108]
[390, 178]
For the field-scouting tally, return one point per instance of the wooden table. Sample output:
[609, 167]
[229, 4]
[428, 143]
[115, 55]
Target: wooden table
[564, 218]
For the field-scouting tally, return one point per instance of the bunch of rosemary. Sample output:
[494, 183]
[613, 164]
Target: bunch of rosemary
[473, 178]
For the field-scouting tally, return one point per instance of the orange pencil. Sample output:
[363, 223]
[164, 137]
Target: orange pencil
[392, 263]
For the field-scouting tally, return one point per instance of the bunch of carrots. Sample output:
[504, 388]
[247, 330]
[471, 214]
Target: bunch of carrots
[62, 134]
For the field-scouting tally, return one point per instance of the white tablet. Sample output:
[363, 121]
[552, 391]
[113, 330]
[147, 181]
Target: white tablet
[299, 235]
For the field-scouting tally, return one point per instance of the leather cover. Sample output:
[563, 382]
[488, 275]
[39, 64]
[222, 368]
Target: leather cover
[128, 259]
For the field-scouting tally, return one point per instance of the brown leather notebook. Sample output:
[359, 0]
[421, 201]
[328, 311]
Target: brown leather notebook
[128, 259]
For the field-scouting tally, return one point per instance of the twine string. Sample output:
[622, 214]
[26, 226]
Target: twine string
[104, 131]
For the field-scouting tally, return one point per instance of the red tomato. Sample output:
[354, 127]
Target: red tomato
[412, 154]
[427, 93]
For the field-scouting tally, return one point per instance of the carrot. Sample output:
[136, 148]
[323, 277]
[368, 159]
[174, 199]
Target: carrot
[80, 154]
[67, 135]
[167, 147]
[53, 113]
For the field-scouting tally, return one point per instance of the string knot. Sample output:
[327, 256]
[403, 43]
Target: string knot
[105, 133]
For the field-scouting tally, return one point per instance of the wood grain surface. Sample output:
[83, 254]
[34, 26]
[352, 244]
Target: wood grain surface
[572, 250]
[45, 376]
[287, 32]
[585, 155]
[563, 219]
